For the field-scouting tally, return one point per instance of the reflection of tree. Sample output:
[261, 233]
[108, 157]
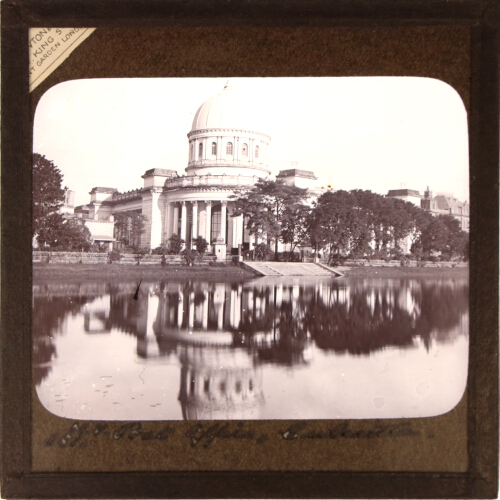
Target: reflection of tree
[379, 317]
[276, 332]
[124, 313]
[442, 308]
[48, 317]
[288, 343]
[356, 329]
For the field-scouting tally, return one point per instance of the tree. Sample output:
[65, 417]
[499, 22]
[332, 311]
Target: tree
[442, 235]
[294, 225]
[51, 228]
[64, 234]
[337, 223]
[129, 227]
[264, 208]
[48, 195]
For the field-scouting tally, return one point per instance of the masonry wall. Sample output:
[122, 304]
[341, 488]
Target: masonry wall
[102, 258]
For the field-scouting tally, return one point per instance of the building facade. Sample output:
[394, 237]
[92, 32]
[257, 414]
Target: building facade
[227, 153]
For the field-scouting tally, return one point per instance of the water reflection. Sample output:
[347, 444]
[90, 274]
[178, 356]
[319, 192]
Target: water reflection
[231, 341]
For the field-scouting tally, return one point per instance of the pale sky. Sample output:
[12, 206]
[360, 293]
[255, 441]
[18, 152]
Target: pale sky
[353, 133]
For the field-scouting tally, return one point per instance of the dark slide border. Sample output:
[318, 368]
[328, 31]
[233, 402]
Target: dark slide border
[480, 17]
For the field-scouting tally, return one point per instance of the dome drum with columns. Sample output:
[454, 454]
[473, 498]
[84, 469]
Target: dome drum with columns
[226, 154]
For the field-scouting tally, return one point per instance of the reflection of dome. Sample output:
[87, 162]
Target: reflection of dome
[225, 133]
[219, 384]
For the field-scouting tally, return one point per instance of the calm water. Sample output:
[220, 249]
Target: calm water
[289, 348]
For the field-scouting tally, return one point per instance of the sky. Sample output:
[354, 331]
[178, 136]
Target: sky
[376, 133]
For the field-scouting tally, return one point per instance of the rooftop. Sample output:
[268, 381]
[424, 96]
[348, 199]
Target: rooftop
[103, 190]
[297, 173]
[404, 192]
[160, 172]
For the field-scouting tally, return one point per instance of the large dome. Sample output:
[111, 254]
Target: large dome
[225, 138]
[227, 109]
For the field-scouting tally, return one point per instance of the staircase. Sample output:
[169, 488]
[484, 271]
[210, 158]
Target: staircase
[291, 269]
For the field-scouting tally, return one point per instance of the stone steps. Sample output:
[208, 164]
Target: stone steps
[291, 269]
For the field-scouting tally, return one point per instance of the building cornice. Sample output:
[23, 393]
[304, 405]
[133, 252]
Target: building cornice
[226, 131]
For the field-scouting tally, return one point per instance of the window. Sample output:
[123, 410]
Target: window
[191, 152]
[256, 151]
[214, 148]
[216, 218]
[244, 150]
[229, 148]
[200, 150]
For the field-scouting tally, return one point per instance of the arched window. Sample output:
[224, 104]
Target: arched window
[191, 152]
[244, 150]
[256, 151]
[214, 148]
[200, 150]
[229, 148]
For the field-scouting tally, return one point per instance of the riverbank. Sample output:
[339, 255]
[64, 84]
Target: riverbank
[83, 272]
[405, 272]
[217, 272]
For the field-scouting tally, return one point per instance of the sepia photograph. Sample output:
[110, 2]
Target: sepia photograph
[250, 248]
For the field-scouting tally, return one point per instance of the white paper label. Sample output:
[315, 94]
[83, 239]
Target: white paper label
[49, 47]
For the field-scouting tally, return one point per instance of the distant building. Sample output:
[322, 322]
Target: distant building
[441, 204]
[68, 207]
[408, 195]
[300, 178]
[447, 204]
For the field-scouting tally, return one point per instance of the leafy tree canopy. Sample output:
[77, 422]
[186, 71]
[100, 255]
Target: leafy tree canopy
[48, 195]
[267, 208]
[51, 228]
[64, 234]
[129, 227]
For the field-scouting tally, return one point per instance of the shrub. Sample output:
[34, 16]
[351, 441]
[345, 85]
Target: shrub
[161, 250]
[140, 253]
[262, 251]
[114, 256]
[163, 260]
[175, 243]
[190, 256]
[201, 244]
[404, 261]
[289, 257]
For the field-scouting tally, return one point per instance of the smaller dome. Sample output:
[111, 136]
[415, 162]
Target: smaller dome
[226, 109]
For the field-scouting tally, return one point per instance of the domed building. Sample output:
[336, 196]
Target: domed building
[227, 153]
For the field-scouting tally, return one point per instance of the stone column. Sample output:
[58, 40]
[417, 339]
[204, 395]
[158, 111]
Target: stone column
[168, 220]
[194, 230]
[175, 223]
[208, 221]
[183, 220]
[223, 215]
[237, 229]
[152, 236]
[97, 207]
